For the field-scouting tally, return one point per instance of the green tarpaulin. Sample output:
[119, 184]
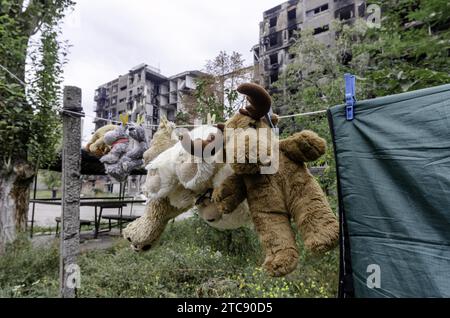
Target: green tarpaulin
[393, 166]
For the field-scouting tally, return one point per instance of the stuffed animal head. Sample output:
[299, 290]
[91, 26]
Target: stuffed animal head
[136, 131]
[120, 132]
[247, 146]
[97, 145]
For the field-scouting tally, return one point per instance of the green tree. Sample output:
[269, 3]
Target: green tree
[216, 91]
[314, 81]
[409, 51]
[29, 124]
[51, 179]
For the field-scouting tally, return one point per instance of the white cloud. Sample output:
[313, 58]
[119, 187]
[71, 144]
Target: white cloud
[111, 36]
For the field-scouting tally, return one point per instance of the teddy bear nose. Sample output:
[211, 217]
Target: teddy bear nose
[210, 220]
[146, 247]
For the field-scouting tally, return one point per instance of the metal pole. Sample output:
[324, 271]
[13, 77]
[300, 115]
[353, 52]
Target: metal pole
[70, 206]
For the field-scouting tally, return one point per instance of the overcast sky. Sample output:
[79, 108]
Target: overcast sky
[109, 37]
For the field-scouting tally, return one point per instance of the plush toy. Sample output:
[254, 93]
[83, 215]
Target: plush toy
[97, 145]
[174, 183]
[161, 141]
[133, 158]
[124, 157]
[289, 192]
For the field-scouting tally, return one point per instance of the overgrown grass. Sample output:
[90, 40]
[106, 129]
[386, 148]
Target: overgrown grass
[192, 260]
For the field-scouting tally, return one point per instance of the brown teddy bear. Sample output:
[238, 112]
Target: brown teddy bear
[290, 192]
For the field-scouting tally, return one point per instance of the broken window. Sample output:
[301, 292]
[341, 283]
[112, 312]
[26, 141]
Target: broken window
[292, 14]
[273, 78]
[273, 59]
[292, 33]
[345, 13]
[321, 29]
[273, 22]
[171, 115]
[273, 40]
[317, 10]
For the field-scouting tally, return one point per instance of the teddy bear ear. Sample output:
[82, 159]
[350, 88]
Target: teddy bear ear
[259, 99]
[275, 119]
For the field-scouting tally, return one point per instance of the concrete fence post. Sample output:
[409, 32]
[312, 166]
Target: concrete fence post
[70, 206]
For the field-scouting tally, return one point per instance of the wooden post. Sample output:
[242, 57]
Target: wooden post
[70, 206]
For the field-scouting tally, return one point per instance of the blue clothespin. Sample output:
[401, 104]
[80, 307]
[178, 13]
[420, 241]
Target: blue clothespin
[350, 93]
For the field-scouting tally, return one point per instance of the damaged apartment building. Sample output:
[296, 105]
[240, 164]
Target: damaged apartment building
[144, 91]
[280, 24]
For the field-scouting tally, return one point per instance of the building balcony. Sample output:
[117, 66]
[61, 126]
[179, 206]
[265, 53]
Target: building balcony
[100, 94]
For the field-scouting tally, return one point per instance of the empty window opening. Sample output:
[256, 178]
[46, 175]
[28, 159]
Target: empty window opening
[317, 10]
[273, 40]
[321, 29]
[273, 22]
[292, 33]
[273, 59]
[345, 13]
[292, 14]
[273, 78]
[171, 115]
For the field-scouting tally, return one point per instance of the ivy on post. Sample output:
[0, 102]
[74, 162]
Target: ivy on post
[70, 214]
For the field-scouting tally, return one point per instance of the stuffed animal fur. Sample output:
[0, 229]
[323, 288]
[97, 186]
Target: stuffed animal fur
[173, 186]
[97, 145]
[125, 155]
[290, 192]
[162, 140]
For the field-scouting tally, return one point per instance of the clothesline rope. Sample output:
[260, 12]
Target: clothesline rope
[150, 125]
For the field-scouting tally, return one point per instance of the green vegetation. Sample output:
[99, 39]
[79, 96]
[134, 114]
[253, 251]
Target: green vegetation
[192, 260]
[29, 120]
[409, 51]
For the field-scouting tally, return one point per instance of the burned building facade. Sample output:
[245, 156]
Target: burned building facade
[280, 24]
[143, 91]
